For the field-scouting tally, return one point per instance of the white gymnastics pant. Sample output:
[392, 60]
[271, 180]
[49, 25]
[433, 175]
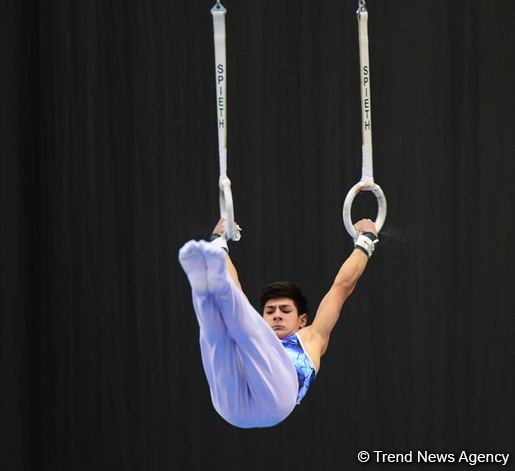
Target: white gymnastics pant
[252, 380]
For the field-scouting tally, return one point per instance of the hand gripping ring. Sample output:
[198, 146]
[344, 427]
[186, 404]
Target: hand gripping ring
[227, 211]
[347, 206]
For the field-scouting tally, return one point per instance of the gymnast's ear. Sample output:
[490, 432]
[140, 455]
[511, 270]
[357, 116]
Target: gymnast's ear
[303, 319]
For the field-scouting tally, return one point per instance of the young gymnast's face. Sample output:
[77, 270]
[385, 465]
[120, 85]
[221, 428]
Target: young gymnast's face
[281, 314]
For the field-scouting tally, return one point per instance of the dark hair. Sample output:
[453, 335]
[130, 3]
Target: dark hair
[285, 289]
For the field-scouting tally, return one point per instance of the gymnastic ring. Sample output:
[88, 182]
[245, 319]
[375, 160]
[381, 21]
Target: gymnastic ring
[347, 206]
[227, 210]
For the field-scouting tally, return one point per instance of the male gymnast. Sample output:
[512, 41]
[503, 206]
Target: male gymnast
[259, 367]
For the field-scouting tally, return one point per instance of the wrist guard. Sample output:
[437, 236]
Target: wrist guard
[219, 240]
[366, 243]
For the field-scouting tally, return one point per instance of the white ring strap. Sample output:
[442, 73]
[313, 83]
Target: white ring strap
[226, 204]
[367, 171]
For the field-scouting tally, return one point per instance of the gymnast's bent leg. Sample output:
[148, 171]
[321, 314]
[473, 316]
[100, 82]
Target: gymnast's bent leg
[252, 380]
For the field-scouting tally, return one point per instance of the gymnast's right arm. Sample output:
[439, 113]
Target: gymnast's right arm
[231, 269]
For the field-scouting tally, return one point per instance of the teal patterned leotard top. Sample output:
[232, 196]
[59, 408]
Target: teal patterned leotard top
[306, 371]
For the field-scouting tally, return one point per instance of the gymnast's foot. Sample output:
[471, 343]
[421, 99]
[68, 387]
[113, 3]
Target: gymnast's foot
[193, 263]
[215, 259]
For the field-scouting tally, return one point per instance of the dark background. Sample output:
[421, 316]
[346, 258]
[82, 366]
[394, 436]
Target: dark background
[109, 164]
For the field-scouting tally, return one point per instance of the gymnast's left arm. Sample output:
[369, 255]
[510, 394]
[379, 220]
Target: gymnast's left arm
[343, 285]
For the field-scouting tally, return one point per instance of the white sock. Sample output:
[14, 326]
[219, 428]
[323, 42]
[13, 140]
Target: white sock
[193, 263]
[215, 259]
